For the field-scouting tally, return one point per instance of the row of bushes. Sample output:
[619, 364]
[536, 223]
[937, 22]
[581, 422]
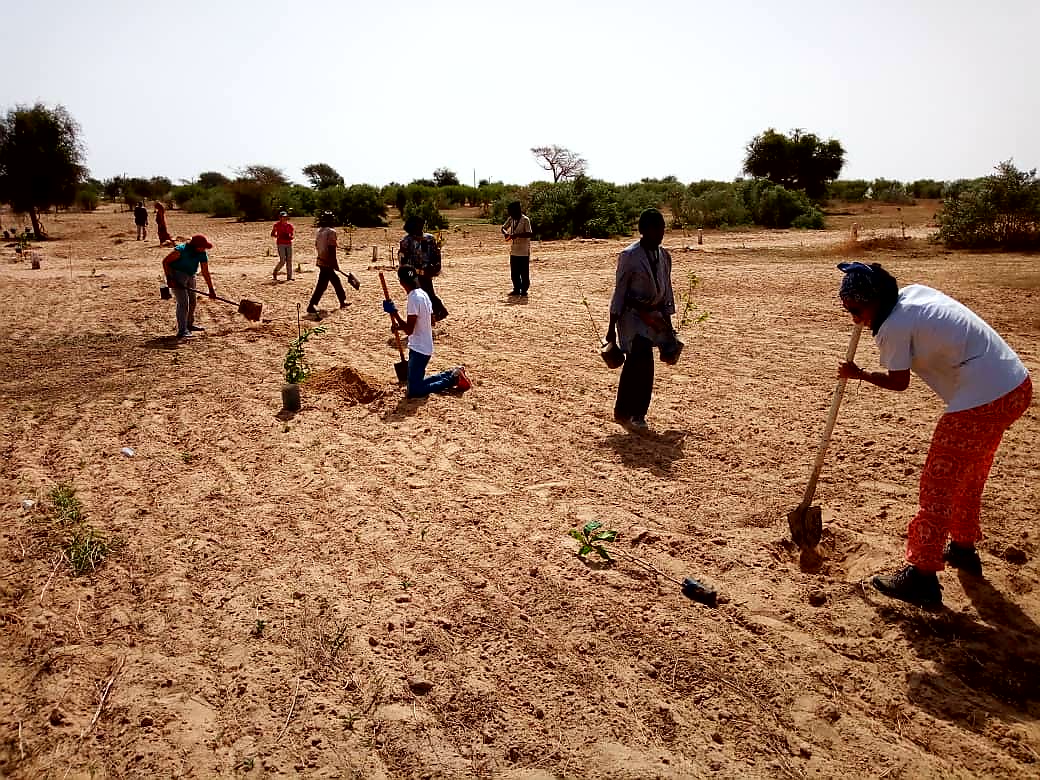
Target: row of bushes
[584, 207]
[1001, 211]
[885, 190]
[751, 202]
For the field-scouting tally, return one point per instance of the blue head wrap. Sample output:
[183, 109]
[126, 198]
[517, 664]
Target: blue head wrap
[860, 284]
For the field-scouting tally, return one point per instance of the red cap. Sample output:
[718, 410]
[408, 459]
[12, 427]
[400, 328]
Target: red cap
[199, 241]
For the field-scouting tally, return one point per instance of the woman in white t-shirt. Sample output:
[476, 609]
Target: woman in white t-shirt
[419, 327]
[986, 388]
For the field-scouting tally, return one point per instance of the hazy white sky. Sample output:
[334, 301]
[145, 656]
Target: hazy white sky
[389, 90]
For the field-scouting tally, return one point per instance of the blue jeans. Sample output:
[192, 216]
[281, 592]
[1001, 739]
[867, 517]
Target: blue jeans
[420, 385]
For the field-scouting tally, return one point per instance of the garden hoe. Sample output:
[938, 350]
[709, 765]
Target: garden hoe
[806, 521]
[401, 368]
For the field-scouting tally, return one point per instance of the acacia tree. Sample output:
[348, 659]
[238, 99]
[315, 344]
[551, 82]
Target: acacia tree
[40, 160]
[798, 161]
[322, 176]
[560, 161]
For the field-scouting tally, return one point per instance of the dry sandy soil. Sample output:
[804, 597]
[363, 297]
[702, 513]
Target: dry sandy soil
[379, 588]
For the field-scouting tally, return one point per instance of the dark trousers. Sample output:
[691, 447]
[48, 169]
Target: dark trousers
[520, 271]
[637, 381]
[325, 277]
[426, 285]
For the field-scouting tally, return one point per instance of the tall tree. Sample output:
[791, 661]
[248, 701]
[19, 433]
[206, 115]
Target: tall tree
[322, 176]
[445, 177]
[797, 161]
[41, 160]
[560, 161]
[211, 179]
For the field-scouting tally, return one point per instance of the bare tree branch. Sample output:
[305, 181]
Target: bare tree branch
[560, 161]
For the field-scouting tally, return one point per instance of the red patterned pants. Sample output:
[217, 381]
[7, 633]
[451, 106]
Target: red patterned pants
[955, 473]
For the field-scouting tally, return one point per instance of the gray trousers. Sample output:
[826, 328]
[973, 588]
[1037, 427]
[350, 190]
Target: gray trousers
[183, 289]
[284, 258]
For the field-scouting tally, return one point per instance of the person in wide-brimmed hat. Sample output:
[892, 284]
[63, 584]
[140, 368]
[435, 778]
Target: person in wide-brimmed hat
[180, 268]
[986, 388]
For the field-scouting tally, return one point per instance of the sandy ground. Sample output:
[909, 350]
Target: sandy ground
[380, 588]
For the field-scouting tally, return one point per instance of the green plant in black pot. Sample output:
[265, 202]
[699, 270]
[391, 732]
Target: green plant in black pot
[296, 369]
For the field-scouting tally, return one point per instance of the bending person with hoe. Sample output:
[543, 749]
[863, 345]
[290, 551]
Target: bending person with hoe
[420, 251]
[419, 327]
[180, 268]
[986, 388]
[640, 318]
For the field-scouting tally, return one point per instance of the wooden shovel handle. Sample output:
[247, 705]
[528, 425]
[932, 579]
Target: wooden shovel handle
[825, 438]
[386, 296]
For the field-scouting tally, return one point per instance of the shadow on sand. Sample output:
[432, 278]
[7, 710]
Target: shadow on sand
[990, 663]
[649, 449]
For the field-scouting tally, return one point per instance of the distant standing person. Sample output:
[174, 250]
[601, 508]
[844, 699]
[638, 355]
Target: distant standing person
[326, 242]
[420, 251]
[986, 388]
[160, 223]
[141, 220]
[640, 317]
[282, 232]
[419, 327]
[180, 268]
[517, 230]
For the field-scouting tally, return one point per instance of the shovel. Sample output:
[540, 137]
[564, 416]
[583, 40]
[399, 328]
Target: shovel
[247, 308]
[805, 520]
[401, 368]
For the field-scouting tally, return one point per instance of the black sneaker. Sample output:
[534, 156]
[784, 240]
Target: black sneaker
[910, 585]
[311, 310]
[513, 293]
[196, 328]
[963, 557]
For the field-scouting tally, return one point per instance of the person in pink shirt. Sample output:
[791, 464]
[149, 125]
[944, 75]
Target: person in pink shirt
[282, 232]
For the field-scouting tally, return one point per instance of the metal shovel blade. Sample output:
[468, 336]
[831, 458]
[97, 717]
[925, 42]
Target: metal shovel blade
[806, 524]
[401, 369]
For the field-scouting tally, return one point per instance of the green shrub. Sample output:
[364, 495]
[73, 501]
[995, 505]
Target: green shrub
[360, 205]
[299, 201]
[429, 212]
[848, 190]
[887, 191]
[222, 203]
[715, 208]
[925, 188]
[773, 206]
[1001, 211]
[86, 199]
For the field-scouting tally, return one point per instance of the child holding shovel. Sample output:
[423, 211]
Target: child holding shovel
[419, 327]
[180, 267]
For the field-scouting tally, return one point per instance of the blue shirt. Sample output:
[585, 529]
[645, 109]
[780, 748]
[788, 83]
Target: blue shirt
[188, 262]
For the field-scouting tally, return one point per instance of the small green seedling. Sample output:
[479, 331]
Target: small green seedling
[67, 507]
[592, 539]
[689, 308]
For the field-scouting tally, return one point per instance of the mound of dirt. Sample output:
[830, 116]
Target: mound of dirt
[350, 385]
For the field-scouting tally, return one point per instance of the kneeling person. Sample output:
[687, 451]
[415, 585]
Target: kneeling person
[419, 327]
